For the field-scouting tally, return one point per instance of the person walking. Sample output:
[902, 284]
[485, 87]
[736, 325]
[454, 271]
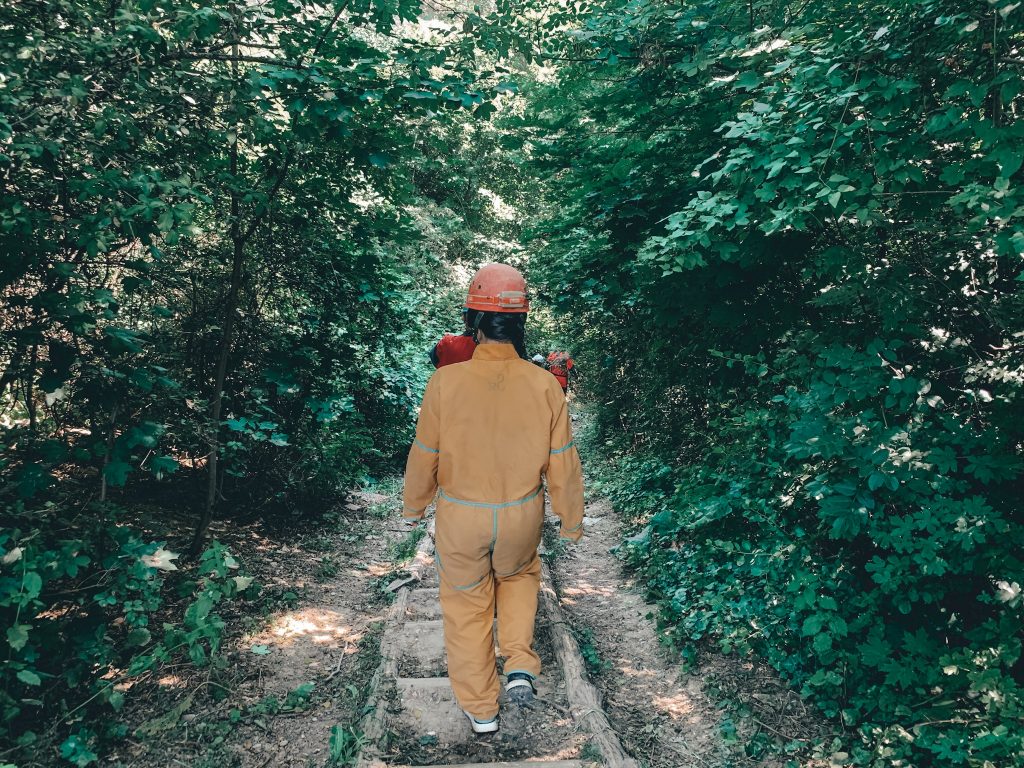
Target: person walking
[560, 364]
[490, 432]
[454, 348]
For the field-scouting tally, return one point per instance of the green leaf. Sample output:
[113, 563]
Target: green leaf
[32, 584]
[17, 636]
[28, 677]
[812, 624]
[75, 749]
[116, 700]
[748, 79]
[485, 110]
[138, 637]
[163, 465]
[1009, 160]
[822, 643]
[116, 472]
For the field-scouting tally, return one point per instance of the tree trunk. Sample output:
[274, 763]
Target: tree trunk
[106, 456]
[239, 238]
[227, 331]
[30, 394]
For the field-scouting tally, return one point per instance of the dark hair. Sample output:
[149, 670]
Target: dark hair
[501, 326]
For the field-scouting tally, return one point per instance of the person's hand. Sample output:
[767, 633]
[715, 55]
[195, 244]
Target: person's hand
[412, 523]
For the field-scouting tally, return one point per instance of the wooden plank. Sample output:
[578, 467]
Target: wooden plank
[373, 725]
[584, 699]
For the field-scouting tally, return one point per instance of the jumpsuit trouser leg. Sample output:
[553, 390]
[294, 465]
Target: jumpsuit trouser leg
[516, 597]
[469, 639]
[476, 545]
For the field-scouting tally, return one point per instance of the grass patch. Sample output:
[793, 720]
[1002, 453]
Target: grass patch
[402, 551]
[596, 665]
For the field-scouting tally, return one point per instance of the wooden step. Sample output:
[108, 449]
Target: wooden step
[419, 649]
[521, 764]
[429, 708]
[423, 604]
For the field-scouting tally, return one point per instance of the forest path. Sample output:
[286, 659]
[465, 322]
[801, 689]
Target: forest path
[415, 720]
[591, 624]
[336, 676]
[297, 662]
[663, 716]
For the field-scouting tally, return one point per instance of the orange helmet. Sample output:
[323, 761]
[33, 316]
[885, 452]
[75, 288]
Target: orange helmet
[498, 288]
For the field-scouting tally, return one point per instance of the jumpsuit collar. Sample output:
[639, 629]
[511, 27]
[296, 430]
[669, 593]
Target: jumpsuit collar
[495, 352]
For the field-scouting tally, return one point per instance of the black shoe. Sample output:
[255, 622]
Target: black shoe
[520, 689]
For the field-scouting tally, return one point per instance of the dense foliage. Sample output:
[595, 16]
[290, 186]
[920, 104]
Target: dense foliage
[228, 233]
[811, 214]
[784, 238]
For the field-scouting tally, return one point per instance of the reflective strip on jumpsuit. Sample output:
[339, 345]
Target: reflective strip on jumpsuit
[490, 432]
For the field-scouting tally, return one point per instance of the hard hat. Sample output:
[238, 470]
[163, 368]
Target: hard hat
[498, 288]
[538, 358]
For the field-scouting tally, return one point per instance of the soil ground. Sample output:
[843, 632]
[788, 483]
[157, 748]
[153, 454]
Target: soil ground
[295, 688]
[298, 667]
[665, 717]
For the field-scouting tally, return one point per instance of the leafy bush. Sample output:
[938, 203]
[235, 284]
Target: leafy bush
[784, 243]
[87, 616]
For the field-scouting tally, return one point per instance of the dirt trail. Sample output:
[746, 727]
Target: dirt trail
[664, 719]
[320, 641]
[333, 659]
[293, 674]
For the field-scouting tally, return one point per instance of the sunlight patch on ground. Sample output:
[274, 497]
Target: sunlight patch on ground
[585, 589]
[310, 625]
[631, 671]
[569, 753]
[677, 707]
[373, 571]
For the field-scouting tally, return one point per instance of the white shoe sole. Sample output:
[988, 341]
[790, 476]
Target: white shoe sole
[489, 727]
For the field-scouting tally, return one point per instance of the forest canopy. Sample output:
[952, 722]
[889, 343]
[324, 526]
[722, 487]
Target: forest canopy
[783, 241]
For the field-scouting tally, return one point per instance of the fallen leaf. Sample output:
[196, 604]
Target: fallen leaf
[161, 560]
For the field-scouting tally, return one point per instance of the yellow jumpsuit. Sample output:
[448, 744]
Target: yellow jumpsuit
[490, 431]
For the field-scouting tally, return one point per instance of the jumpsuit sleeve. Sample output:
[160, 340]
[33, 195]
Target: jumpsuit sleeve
[421, 467]
[565, 475]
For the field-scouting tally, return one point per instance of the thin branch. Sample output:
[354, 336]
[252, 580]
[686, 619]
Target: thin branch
[235, 58]
[271, 194]
[327, 30]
